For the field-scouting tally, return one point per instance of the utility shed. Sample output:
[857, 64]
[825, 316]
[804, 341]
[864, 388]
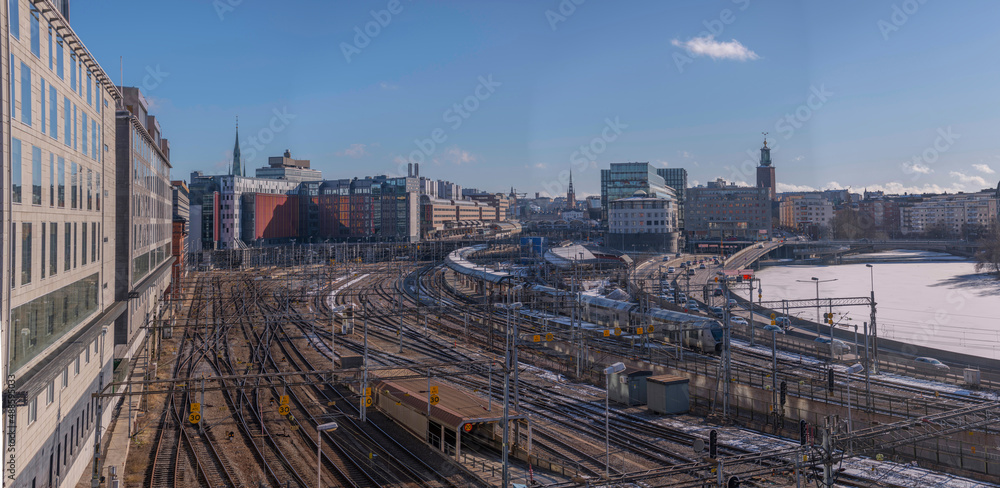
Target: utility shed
[629, 386]
[668, 394]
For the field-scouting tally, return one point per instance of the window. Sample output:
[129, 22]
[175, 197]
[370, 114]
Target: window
[59, 58]
[41, 99]
[97, 192]
[72, 70]
[15, 166]
[95, 346]
[45, 229]
[68, 251]
[50, 49]
[61, 174]
[90, 188]
[50, 393]
[25, 253]
[25, 94]
[33, 410]
[84, 138]
[53, 250]
[36, 175]
[93, 139]
[72, 185]
[74, 243]
[93, 241]
[15, 17]
[68, 129]
[52, 180]
[74, 127]
[13, 90]
[36, 44]
[65, 377]
[89, 89]
[53, 113]
[76, 367]
[86, 355]
[83, 245]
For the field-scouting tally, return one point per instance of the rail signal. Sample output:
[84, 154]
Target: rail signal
[802, 432]
[284, 410]
[829, 380]
[784, 391]
[713, 444]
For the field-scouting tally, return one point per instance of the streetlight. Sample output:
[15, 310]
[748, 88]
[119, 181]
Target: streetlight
[329, 426]
[817, 281]
[610, 370]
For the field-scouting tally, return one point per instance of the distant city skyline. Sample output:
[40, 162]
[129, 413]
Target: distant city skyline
[491, 95]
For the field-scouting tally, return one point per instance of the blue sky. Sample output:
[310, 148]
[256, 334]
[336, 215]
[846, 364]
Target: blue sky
[895, 95]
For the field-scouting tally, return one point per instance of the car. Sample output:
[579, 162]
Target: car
[717, 292]
[733, 319]
[671, 269]
[720, 273]
[783, 321]
[691, 271]
[692, 303]
[731, 302]
[702, 266]
[839, 347]
[717, 311]
[666, 258]
[677, 255]
[931, 363]
[682, 297]
[774, 328]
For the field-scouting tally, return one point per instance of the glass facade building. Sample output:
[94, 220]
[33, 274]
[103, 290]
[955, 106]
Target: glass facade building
[622, 180]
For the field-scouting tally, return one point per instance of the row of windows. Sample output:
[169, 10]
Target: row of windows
[40, 322]
[82, 81]
[50, 390]
[77, 123]
[84, 183]
[75, 238]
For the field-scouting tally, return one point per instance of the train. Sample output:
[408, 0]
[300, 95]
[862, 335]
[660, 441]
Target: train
[693, 331]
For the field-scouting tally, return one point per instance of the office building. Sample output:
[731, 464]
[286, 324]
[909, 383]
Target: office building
[60, 212]
[720, 210]
[642, 223]
[143, 234]
[622, 180]
[285, 168]
[950, 215]
[677, 179]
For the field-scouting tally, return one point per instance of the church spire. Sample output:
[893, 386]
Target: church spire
[237, 170]
[571, 194]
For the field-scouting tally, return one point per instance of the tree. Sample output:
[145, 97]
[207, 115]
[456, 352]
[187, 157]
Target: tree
[988, 256]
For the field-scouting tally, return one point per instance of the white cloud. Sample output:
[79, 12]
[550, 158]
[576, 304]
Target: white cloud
[964, 178]
[798, 158]
[387, 86]
[917, 168]
[708, 46]
[983, 168]
[536, 166]
[355, 151]
[788, 187]
[457, 156]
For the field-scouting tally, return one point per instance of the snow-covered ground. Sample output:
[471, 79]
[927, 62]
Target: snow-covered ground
[945, 305]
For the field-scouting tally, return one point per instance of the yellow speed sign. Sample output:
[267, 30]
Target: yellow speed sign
[435, 399]
[194, 418]
[284, 410]
[368, 401]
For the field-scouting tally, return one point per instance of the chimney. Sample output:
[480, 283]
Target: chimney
[409, 169]
[416, 169]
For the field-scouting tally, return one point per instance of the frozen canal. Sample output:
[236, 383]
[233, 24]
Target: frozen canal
[936, 303]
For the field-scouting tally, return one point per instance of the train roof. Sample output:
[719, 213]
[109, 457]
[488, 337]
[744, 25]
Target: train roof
[681, 317]
[458, 263]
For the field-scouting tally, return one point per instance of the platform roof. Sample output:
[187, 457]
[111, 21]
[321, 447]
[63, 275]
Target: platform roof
[455, 408]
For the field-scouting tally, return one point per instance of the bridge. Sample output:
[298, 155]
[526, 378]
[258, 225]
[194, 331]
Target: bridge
[832, 251]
